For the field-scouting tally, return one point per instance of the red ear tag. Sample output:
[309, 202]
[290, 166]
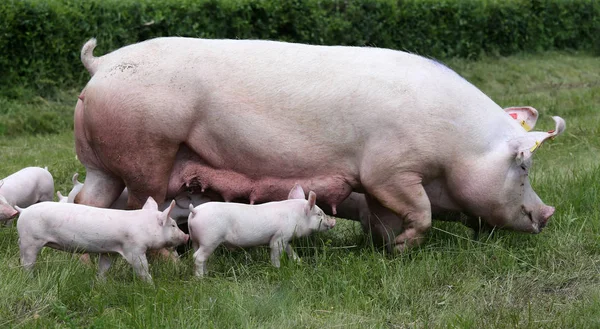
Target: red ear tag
[551, 131]
[513, 115]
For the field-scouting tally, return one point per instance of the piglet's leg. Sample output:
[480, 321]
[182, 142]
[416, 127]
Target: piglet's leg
[140, 264]
[277, 247]
[200, 257]
[291, 253]
[104, 262]
[29, 253]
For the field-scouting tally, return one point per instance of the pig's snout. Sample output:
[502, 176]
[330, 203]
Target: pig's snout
[545, 214]
[186, 238]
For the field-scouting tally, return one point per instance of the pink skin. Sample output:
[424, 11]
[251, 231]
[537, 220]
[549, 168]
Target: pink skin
[78, 228]
[220, 117]
[241, 225]
[24, 188]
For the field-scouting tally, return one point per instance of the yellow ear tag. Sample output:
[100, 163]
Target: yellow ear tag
[525, 125]
[535, 146]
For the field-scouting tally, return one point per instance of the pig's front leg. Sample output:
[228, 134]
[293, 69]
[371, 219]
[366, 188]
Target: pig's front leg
[404, 194]
[138, 260]
[291, 253]
[277, 245]
[104, 262]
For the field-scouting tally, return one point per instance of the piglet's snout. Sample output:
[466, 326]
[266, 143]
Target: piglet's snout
[546, 213]
[186, 238]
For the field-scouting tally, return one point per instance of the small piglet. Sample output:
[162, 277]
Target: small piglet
[242, 225]
[79, 228]
[24, 188]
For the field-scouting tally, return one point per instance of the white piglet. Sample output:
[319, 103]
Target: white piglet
[79, 228]
[242, 225]
[24, 188]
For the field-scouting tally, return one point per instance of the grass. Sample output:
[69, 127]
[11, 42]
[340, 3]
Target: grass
[506, 280]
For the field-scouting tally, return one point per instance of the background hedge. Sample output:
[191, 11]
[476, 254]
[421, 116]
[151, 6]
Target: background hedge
[40, 40]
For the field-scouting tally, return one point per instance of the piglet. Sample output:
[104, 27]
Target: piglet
[24, 188]
[242, 225]
[79, 228]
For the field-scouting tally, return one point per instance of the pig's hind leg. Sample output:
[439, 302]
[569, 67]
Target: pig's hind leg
[29, 252]
[200, 257]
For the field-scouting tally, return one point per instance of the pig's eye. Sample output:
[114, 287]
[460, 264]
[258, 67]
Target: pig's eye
[173, 225]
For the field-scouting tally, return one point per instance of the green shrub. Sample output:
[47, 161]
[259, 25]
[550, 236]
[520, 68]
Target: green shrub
[41, 39]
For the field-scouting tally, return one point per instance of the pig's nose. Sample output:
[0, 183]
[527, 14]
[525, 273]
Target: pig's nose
[186, 237]
[332, 222]
[547, 212]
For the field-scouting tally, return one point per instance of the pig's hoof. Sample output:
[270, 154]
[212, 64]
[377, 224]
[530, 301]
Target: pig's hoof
[400, 248]
[164, 254]
[85, 259]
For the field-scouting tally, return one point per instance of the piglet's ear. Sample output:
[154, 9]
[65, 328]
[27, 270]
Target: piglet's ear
[525, 146]
[75, 181]
[525, 115]
[150, 204]
[164, 215]
[296, 192]
[192, 209]
[312, 199]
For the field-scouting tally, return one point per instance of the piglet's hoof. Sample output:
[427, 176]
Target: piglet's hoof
[85, 259]
[164, 254]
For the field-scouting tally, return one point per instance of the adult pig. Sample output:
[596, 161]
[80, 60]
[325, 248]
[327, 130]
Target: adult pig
[80, 228]
[356, 207]
[247, 118]
[24, 188]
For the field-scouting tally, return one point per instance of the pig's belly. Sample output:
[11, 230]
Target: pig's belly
[79, 247]
[193, 173]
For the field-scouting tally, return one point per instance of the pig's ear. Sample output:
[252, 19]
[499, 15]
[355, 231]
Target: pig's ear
[75, 181]
[296, 192]
[312, 199]
[525, 146]
[164, 215]
[150, 204]
[525, 115]
[192, 209]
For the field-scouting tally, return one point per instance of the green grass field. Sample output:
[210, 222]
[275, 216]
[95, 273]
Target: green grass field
[512, 280]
